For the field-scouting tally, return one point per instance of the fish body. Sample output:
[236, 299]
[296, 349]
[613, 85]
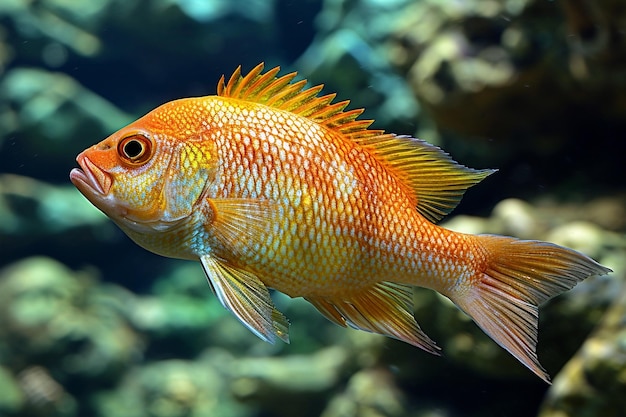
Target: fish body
[270, 185]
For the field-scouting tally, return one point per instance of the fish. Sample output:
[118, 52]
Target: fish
[271, 184]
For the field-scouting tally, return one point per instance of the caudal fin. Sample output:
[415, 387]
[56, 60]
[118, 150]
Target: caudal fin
[518, 276]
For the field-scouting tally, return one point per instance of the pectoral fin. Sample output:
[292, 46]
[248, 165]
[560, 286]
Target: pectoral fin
[247, 298]
[236, 221]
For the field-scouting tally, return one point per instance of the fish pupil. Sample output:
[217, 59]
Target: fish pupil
[133, 149]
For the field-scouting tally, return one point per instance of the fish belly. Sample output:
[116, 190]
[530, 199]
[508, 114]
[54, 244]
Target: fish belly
[319, 252]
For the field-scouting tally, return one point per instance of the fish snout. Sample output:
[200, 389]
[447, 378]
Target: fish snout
[89, 177]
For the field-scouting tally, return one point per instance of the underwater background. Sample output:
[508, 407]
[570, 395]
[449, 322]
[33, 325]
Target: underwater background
[93, 325]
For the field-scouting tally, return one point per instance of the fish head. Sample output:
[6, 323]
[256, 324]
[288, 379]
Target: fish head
[148, 175]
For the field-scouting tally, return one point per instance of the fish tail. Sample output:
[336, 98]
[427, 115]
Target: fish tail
[517, 276]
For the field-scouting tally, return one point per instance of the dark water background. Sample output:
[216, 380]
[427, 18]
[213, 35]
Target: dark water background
[91, 324]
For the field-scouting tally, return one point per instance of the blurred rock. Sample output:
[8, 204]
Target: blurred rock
[45, 396]
[467, 224]
[300, 381]
[486, 53]
[296, 373]
[50, 311]
[12, 399]
[593, 382]
[516, 218]
[173, 388]
[607, 212]
[369, 393]
[505, 80]
[582, 236]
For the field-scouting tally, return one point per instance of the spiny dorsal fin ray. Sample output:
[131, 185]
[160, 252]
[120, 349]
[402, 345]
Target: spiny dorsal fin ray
[436, 181]
[280, 93]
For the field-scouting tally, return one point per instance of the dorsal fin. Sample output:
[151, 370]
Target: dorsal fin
[280, 93]
[436, 180]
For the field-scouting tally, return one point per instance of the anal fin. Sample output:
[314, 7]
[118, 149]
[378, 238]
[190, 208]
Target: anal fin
[385, 308]
[247, 298]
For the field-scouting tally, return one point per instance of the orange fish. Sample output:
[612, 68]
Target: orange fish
[270, 185]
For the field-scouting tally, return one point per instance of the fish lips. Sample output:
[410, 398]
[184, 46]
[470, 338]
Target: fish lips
[90, 177]
[94, 184]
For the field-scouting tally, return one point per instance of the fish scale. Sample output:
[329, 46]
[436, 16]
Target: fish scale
[272, 185]
[320, 225]
[327, 268]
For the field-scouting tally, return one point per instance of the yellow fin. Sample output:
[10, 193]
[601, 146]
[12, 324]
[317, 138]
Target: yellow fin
[247, 298]
[328, 310]
[386, 308]
[518, 276]
[436, 181]
[238, 220]
[280, 93]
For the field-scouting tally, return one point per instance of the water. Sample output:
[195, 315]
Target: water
[91, 324]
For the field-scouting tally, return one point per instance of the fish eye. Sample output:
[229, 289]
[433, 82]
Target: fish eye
[135, 149]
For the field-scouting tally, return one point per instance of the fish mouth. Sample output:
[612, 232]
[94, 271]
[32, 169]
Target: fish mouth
[90, 179]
